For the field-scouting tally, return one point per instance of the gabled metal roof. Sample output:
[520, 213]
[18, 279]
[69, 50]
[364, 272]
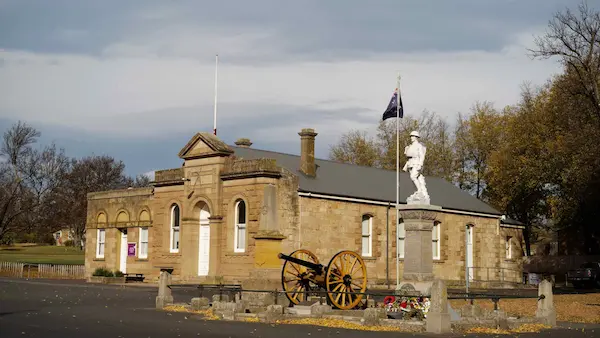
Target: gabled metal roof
[349, 180]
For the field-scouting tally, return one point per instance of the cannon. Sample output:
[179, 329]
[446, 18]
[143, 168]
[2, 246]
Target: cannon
[345, 277]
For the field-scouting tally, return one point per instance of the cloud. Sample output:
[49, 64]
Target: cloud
[136, 79]
[141, 96]
[308, 30]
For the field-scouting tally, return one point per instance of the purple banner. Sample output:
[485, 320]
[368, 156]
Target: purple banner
[131, 249]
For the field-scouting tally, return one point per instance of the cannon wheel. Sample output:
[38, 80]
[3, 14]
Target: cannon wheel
[294, 277]
[346, 272]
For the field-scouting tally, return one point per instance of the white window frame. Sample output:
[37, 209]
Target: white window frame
[100, 242]
[369, 235]
[142, 242]
[237, 246]
[436, 232]
[174, 228]
[508, 247]
[400, 241]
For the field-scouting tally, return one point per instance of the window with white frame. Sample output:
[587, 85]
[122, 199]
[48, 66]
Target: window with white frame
[508, 247]
[401, 236]
[175, 219]
[101, 237]
[435, 240]
[143, 253]
[240, 226]
[367, 232]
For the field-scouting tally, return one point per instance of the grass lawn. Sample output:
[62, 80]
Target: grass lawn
[41, 254]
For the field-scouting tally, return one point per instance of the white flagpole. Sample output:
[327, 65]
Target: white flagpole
[215, 112]
[397, 182]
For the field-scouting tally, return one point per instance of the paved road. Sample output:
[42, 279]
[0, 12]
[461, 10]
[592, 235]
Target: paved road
[40, 308]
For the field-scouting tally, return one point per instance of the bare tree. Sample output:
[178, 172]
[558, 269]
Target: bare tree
[28, 178]
[89, 174]
[575, 39]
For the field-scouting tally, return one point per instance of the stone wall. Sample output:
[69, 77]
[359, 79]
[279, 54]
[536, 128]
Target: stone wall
[127, 209]
[330, 226]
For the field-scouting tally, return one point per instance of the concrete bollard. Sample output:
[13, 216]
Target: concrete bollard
[164, 297]
[438, 317]
[273, 313]
[318, 310]
[220, 298]
[546, 313]
[372, 315]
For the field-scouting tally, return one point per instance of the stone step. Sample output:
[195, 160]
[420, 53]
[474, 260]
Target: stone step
[299, 310]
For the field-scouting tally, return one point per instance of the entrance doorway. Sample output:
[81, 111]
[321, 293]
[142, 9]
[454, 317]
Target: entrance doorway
[123, 255]
[204, 242]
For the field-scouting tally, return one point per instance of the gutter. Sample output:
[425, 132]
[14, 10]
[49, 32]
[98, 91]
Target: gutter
[374, 202]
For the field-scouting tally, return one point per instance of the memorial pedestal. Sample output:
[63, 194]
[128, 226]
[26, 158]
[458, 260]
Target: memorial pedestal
[418, 257]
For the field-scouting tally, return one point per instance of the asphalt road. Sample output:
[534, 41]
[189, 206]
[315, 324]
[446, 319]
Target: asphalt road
[43, 308]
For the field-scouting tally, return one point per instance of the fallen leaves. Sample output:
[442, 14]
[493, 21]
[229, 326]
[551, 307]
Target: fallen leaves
[525, 328]
[583, 308]
[251, 320]
[338, 323]
[207, 314]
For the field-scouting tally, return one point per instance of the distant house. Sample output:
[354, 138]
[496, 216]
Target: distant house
[211, 219]
[62, 235]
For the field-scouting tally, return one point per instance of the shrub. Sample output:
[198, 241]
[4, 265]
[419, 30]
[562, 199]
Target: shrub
[119, 273]
[69, 242]
[102, 272]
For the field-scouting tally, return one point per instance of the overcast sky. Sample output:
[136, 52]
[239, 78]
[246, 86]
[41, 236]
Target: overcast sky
[135, 79]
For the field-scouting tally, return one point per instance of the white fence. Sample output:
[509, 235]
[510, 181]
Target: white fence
[12, 269]
[27, 270]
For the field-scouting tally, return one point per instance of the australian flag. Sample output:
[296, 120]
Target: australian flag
[390, 111]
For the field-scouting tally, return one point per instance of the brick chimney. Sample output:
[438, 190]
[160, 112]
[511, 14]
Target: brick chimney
[307, 152]
[243, 142]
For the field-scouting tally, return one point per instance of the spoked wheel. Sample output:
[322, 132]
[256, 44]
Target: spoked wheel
[347, 274]
[295, 278]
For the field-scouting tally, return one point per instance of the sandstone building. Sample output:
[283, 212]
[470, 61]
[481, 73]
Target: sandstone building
[230, 209]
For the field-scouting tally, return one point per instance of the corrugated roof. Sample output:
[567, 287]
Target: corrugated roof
[349, 180]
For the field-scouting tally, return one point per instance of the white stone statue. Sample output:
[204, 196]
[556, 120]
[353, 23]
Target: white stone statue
[416, 156]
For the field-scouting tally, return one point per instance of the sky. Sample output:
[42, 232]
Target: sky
[136, 79]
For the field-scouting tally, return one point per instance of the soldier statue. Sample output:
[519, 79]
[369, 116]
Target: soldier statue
[416, 156]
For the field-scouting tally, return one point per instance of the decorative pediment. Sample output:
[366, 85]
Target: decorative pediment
[204, 145]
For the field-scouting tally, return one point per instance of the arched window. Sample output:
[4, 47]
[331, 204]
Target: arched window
[240, 227]
[367, 232]
[435, 241]
[175, 219]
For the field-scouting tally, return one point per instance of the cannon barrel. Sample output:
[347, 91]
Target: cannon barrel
[318, 268]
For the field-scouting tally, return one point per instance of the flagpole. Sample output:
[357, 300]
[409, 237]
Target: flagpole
[215, 112]
[397, 181]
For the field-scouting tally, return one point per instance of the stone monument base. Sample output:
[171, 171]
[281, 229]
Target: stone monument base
[418, 219]
[415, 288]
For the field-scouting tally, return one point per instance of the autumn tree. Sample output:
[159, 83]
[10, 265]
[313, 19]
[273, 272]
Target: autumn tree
[476, 137]
[356, 147]
[521, 167]
[574, 39]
